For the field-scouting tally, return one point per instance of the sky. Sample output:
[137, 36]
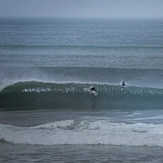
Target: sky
[82, 8]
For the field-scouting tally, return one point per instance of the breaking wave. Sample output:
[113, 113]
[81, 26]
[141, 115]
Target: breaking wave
[85, 132]
[33, 94]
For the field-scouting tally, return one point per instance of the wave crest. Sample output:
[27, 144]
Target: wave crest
[34, 86]
[78, 95]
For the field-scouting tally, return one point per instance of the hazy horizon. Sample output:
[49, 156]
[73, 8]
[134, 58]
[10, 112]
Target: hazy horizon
[82, 8]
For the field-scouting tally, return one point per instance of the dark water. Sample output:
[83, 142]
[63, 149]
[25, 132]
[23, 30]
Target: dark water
[47, 111]
[82, 153]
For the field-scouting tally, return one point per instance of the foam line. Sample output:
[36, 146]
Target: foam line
[85, 132]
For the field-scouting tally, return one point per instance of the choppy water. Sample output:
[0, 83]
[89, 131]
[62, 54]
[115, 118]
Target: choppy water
[47, 69]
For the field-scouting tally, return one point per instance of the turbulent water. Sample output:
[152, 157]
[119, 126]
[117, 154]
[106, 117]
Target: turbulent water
[47, 108]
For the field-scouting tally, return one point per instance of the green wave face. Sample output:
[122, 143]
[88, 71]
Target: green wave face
[39, 95]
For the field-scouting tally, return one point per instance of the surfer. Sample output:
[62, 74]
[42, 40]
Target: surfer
[123, 86]
[93, 89]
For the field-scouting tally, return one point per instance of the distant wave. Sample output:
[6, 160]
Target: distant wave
[85, 132]
[78, 95]
[79, 47]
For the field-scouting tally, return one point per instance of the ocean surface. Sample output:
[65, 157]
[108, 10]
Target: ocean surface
[47, 110]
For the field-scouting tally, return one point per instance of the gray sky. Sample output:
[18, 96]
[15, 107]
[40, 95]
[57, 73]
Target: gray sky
[82, 8]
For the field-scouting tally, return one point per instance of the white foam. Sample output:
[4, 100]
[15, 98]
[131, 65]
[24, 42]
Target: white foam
[85, 132]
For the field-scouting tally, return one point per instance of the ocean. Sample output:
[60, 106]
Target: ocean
[48, 112]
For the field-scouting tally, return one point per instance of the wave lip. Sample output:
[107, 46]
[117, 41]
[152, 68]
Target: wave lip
[85, 132]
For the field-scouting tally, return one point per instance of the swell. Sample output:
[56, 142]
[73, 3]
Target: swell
[14, 46]
[36, 95]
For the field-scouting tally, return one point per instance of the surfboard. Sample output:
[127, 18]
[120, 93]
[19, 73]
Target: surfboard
[94, 93]
[122, 88]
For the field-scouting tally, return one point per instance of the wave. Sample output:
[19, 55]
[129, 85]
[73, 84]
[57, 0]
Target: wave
[151, 78]
[114, 90]
[33, 94]
[85, 132]
[19, 46]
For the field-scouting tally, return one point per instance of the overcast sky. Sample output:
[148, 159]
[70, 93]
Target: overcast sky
[82, 8]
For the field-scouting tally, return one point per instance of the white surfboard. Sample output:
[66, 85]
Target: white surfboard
[122, 88]
[94, 93]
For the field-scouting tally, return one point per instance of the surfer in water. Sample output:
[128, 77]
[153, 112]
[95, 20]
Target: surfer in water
[123, 86]
[93, 89]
